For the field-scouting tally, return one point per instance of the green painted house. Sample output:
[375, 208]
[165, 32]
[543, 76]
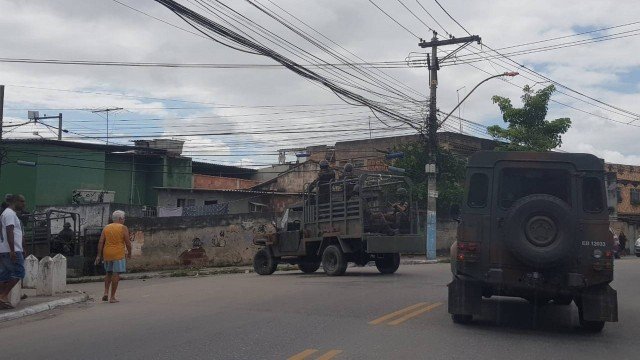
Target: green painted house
[50, 172]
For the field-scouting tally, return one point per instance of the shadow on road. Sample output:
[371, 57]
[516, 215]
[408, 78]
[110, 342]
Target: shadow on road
[508, 314]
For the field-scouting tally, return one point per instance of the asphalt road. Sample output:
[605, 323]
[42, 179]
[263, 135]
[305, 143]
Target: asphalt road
[362, 315]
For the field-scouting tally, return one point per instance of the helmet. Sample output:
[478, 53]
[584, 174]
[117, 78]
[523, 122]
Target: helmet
[348, 167]
[67, 225]
[324, 164]
[401, 191]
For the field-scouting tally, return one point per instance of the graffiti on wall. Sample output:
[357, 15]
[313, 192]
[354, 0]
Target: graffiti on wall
[196, 256]
[92, 196]
[213, 246]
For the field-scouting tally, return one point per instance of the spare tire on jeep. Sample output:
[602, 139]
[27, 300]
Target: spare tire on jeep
[539, 230]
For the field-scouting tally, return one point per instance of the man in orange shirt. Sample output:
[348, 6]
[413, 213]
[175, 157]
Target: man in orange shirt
[111, 249]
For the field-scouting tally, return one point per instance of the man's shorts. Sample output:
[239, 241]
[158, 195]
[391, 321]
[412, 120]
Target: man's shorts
[116, 266]
[9, 269]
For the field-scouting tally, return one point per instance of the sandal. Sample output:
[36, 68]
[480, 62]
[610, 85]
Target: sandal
[105, 298]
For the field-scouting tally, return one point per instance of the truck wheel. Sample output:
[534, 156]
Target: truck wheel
[333, 261]
[388, 264]
[461, 318]
[264, 263]
[309, 267]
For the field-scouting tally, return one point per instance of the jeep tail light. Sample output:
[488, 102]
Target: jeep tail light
[468, 246]
[467, 251]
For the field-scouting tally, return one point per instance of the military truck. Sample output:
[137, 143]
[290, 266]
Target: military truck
[359, 220]
[535, 226]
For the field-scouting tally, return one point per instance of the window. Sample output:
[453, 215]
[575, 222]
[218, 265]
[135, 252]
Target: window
[358, 163]
[478, 191]
[517, 183]
[619, 195]
[211, 202]
[635, 196]
[592, 199]
[186, 202]
[257, 207]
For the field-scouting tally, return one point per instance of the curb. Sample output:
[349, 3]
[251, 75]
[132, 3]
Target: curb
[50, 305]
[210, 272]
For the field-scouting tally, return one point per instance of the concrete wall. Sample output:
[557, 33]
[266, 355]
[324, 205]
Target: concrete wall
[270, 172]
[58, 171]
[221, 183]
[226, 240]
[292, 181]
[627, 178]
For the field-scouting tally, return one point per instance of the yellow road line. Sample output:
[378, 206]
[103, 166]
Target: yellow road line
[414, 314]
[395, 313]
[330, 355]
[303, 355]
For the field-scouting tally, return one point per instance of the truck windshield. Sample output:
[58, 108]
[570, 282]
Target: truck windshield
[516, 183]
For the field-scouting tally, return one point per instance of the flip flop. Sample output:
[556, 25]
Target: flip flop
[105, 298]
[113, 301]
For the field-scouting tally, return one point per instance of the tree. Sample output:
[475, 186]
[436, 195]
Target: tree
[451, 170]
[528, 130]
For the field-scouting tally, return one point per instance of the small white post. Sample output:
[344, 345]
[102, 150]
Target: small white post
[44, 284]
[31, 267]
[59, 274]
[15, 294]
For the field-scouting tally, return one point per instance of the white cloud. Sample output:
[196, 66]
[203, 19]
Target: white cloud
[99, 30]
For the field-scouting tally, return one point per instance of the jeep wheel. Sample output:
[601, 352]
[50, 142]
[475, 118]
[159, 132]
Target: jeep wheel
[388, 264]
[334, 262]
[539, 230]
[591, 326]
[264, 263]
[309, 267]
[461, 318]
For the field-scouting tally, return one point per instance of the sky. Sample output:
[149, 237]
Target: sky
[242, 116]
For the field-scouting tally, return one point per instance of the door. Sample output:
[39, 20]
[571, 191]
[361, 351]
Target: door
[516, 180]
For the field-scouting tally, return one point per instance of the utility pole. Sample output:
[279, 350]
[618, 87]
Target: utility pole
[107, 110]
[459, 114]
[1, 118]
[34, 115]
[431, 124]
[59, 126]
[1, 108]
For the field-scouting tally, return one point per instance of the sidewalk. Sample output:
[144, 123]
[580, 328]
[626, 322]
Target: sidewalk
[416, 260]
[35, 304]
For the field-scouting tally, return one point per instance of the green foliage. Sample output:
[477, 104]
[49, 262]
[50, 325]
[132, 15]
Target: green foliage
[528, 130]
[451, 170]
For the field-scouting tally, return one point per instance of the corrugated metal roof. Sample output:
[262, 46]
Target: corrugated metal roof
[239, 191]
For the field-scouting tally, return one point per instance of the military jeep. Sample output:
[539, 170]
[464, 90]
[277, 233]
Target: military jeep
[535, 226]
[359, 220]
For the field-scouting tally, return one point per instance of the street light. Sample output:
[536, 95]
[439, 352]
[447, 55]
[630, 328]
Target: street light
[509, 73]
[459, 115]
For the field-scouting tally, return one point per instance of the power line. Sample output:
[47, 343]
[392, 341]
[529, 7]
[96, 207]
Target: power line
[398, 64]
[451, 17]
[394, 20]
[535, 73]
